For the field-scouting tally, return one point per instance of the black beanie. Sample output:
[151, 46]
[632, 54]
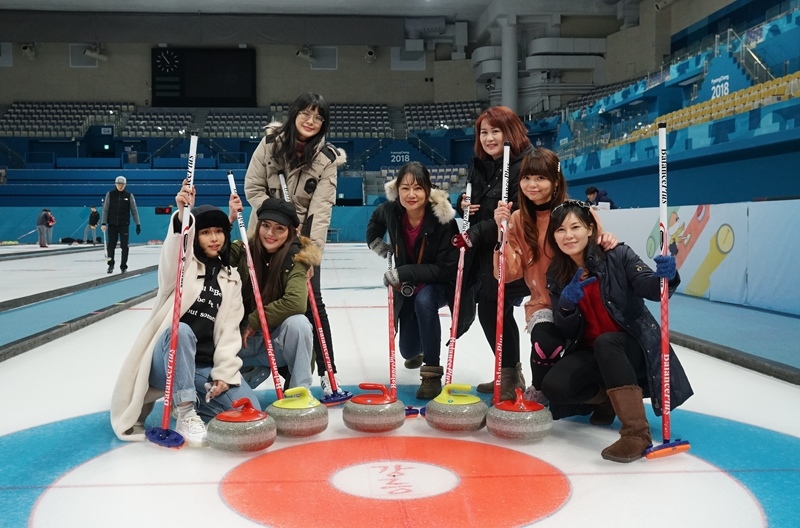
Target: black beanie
[206, 216]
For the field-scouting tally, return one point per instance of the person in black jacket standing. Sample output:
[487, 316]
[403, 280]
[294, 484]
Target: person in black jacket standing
[494, 127]
[421, 223]
[118, 207]
[94, 219]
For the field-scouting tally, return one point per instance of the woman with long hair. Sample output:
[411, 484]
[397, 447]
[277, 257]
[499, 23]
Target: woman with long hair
[282, 261]
[613, 342]
[494, 127]
[542, 187]
[206, 375]
[297, 149]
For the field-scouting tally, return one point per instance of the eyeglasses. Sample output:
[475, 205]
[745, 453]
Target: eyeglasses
[578, 203]
[318, 119]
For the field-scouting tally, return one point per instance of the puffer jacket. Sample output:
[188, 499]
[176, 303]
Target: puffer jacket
[294, 300]
[312, 188]
[625, 281]
[436, 260]
[486, 177]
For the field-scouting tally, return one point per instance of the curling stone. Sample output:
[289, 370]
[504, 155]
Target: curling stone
[456, 413]
[519, 419]
[299, 413]
[242, 428]
[374, 413]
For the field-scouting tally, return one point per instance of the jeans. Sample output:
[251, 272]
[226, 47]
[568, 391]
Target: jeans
[420, 327]
[113, 232]
[188, 379]
[292, 344]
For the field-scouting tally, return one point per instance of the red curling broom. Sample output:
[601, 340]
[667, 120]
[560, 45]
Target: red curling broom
[667, 447]
[163, 435]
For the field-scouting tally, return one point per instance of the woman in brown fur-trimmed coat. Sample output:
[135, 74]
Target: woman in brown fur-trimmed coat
[421, 223]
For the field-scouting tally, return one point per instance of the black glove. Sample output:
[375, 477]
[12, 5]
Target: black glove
[573, 292]
[138, 229]
[665, 267]
[381, 248]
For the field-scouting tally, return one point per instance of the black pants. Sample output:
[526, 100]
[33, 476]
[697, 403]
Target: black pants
[487, 315]
[113, 232]
[326, 326]
[616, 360]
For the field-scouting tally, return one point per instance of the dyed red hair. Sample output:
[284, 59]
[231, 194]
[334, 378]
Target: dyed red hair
[509, 123]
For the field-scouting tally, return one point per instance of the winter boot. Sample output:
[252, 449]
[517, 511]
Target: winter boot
[635, 431]
[603, 410]
[511, 378]
[431, 382]
[413, 363]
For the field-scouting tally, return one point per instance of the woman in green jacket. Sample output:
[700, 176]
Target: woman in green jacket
[282, 262]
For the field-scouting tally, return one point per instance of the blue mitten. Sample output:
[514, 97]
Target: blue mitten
[573, 292]
[665, 267]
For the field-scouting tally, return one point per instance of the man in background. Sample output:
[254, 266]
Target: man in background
[118, 208]
[597, 196]
[94, 219]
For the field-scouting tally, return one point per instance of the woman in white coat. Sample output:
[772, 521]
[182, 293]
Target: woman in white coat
[206, 377]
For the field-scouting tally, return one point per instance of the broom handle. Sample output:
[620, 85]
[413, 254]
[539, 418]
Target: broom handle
[262, 318]
[451, 347]
[392, 332]
[501, 283]
[662, 210]
[176, 304]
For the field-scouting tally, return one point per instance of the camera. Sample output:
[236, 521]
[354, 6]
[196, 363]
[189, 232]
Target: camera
[407, 289]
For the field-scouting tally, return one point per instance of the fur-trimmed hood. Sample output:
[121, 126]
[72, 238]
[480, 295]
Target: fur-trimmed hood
[439, 201]
[309, 254]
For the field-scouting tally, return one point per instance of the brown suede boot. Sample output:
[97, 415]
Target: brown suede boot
[510, 378]
[635, 431]
[603, 410]
[431, 382]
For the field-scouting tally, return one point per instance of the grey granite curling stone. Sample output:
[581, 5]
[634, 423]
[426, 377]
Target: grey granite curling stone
[299, 413]
[456, 413]
[374, 413]
[243, 428]
[519, 420]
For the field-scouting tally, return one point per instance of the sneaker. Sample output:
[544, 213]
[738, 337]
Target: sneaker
[327, 389]
[193, 430]
[110, 269]
[413, 363]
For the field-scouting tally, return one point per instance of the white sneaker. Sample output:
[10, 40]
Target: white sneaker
[327, 390]
[193, 430]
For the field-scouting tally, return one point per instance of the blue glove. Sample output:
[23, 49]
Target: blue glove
[138, 229]
[573, 292]
[665, 267]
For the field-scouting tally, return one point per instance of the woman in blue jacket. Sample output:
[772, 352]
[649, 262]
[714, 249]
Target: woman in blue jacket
[613, 343]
